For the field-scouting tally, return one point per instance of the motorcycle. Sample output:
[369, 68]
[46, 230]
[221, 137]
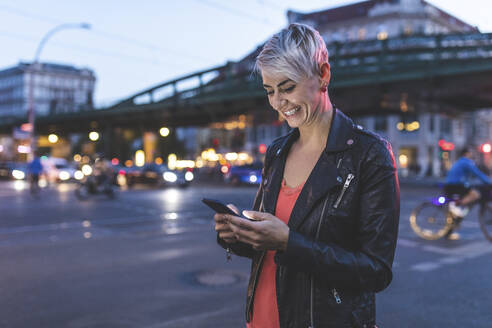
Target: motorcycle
[96, 185]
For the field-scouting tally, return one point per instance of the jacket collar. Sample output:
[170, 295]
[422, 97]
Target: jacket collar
[324, 176]
[341, 137]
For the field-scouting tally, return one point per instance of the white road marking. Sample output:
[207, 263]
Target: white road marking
[455, 255]
[425, 266]
[95, 223]
[407, 243]
[438, 250]
[470, 224]
[171, 254]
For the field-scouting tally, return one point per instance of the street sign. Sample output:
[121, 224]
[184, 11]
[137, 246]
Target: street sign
[18, 133]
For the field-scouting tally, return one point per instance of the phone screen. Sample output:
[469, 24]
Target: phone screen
[220, 207]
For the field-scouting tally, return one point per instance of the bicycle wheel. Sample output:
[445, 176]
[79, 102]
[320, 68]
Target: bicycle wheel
[430, 221]
[485, 219]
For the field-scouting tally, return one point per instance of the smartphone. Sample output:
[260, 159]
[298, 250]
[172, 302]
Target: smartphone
[221, 208]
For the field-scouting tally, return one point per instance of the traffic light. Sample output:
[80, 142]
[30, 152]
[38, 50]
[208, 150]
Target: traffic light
[486, 148]
[262, 148]
[446, 146]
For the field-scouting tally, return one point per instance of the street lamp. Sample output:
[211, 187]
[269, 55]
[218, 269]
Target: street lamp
[32, 69]
[94, 136]
[164, 131]
[52, 138]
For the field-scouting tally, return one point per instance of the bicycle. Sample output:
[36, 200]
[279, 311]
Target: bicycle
[433, 219]
[34, 188]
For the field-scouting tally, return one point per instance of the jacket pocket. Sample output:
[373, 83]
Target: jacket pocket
[360, 321]
[364, 313]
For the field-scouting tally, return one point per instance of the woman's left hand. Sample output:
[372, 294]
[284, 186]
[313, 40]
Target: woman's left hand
[267, 232]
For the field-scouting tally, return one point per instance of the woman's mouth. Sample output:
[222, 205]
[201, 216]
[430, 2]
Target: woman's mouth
[292, 111]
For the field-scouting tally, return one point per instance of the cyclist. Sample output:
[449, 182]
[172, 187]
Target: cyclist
[102, 171]
[458, 183]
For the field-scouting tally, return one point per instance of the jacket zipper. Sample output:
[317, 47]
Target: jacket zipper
[339, 199]
[349, 179]
[336, 296]
[312, 278]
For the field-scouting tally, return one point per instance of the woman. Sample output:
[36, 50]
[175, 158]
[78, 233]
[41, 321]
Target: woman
[326, 214]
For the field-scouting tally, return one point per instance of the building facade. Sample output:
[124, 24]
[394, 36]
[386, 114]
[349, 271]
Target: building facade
[381, 19]
[415, 136]
[56, 89]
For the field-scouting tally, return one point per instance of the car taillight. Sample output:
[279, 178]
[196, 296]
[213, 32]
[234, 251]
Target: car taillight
[224, 169]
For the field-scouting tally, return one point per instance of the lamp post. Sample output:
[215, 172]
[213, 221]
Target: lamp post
[31, 112]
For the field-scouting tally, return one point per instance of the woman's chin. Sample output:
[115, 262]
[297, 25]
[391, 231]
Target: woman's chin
[292, 125]
[293, 122]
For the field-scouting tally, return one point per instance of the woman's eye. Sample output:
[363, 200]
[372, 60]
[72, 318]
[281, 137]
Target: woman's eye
[290, 89]
[269, 93]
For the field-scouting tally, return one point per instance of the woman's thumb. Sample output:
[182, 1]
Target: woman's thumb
[234, 208]
[258, 216]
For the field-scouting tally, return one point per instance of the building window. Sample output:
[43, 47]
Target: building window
[382, 32]
[446, 125]
[408, 123]
[382, 35]
[361, 34]
[381, 123]
[460, 129]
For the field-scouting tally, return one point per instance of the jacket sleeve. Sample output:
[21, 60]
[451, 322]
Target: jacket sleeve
[473, 169]
[368, 267]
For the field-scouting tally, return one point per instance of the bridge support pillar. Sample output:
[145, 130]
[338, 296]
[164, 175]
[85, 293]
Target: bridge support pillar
[149, 145]
[107, 141]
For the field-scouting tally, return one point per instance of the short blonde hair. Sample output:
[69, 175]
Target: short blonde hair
[296, 52]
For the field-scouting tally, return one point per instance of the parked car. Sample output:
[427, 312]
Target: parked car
[13, 170]
[122, 174]
[58, 170]
[245, 174]
[6, 170]
[159, 176]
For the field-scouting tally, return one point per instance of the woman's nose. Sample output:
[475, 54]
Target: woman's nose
[278, 102]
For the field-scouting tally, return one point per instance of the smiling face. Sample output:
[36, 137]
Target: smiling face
[297, 102]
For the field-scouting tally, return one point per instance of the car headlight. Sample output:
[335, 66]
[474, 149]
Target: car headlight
[170, 176]
[64, 175]
[189, 176]
[87, 169]
[18, 174]
[253, 178]
[78, 175]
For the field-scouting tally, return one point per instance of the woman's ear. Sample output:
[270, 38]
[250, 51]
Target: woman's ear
[325, 73]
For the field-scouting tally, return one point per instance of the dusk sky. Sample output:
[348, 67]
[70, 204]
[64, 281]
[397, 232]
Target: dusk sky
[134, 45]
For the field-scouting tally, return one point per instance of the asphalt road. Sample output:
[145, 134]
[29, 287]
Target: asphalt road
[149, 260]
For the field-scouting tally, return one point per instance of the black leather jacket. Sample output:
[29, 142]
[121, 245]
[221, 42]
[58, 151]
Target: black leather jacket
[343, 230]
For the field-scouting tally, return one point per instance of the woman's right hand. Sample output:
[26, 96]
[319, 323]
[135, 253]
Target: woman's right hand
[222, 225]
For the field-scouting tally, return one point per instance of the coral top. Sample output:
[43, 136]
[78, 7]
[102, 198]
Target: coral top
[265, 310]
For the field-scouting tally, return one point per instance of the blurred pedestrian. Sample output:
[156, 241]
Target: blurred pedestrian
[102, 171]
[35, 169]
[327, 211]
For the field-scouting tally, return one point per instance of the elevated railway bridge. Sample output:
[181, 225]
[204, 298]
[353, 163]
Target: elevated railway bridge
[442, 73]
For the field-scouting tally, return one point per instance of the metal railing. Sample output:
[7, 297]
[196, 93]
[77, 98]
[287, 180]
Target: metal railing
[349, 59]
[353, 63]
